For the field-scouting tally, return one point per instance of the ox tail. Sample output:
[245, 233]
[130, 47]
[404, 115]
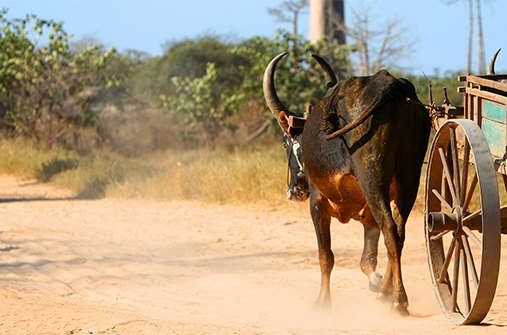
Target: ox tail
[386, 92]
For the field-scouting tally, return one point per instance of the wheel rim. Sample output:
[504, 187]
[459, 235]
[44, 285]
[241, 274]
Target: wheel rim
[462, 222]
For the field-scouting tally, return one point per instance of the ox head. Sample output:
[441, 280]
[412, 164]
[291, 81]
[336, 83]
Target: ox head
[298, 189]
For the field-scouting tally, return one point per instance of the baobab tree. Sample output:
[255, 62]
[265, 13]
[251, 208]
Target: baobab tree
[326, 18]
[289, 11]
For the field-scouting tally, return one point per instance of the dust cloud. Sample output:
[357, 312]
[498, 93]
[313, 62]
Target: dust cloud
[137, 267]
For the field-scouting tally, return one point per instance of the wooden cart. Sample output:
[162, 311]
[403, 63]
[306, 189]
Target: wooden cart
[463, 217]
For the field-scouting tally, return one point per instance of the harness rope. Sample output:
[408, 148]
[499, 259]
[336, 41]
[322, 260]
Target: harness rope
[292, 143]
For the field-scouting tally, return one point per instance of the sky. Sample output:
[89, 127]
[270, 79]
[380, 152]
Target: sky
[439, 31]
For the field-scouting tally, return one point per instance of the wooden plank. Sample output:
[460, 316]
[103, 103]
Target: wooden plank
[489, 83]
[492, 76]
[468, 106]
[493, 111]
[488, 95]
[495, 136]
[478, 110]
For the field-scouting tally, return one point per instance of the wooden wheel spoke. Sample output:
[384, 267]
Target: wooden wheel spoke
[447, 261]
[439, 235]
[472, 216]
[464, 177]
[474, 238]
[455, 164]
[462, 198]
[448, 176]
[470, 193]
[455, 275]
[464, 276]
[470, 259]
[442, 200]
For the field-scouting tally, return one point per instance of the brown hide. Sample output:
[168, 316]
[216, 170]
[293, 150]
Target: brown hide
[370, 173]
[362, 148]
[361, 94]
[348, 201]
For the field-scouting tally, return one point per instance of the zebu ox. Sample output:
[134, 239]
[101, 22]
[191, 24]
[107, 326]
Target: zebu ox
[358, 156]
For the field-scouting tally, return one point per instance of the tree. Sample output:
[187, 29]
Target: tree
[289, 11]
[188, 58]
[470, 35]
[35, 81]
[376, 48]
[199, 105]
[326, 18]
[481, 65]
[299, 78]
[438, 82]
[206, 103]
[79, 45]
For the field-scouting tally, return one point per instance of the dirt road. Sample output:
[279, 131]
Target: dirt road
[132, 267]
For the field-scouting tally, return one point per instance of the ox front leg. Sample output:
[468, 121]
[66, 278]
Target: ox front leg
[322, 222]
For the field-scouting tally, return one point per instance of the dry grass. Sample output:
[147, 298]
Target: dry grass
[21, 158]
[242, 176]
[253, 174]
[249, 175]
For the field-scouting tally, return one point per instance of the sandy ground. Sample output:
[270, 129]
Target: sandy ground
[131, 267]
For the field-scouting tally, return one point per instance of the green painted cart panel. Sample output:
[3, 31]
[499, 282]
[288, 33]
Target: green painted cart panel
[493, 127]
[493, 111]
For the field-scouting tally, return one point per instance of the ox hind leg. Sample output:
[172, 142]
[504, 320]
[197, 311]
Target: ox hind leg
[376, 191]
[392, 217]
[394, 238]
[405, 188]
[369, 257]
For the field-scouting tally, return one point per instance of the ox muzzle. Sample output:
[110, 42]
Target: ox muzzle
[298, 189]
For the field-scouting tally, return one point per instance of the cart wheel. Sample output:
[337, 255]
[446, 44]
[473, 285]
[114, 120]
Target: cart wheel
[462, 222]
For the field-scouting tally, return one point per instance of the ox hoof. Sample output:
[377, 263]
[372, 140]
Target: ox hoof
[401, 309]
[385, 298]
[321, 308]
[375, 280]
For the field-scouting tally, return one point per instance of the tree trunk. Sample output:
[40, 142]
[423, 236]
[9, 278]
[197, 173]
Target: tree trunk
[326, 18]
[470, 34]
[480, 42]
[259, 130]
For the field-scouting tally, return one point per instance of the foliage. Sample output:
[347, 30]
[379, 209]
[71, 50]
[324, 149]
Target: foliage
[201, 106]
[203, 81]
[449, 81]
[207, 102]
[121, 68]
[299, 78]
[187, 58]
[35, 81]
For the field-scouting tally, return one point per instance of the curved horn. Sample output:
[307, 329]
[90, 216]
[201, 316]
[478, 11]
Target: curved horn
[328, 71]
[491, 66]
[268, 86]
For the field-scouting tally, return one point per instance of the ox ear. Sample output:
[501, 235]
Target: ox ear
[283, 121]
